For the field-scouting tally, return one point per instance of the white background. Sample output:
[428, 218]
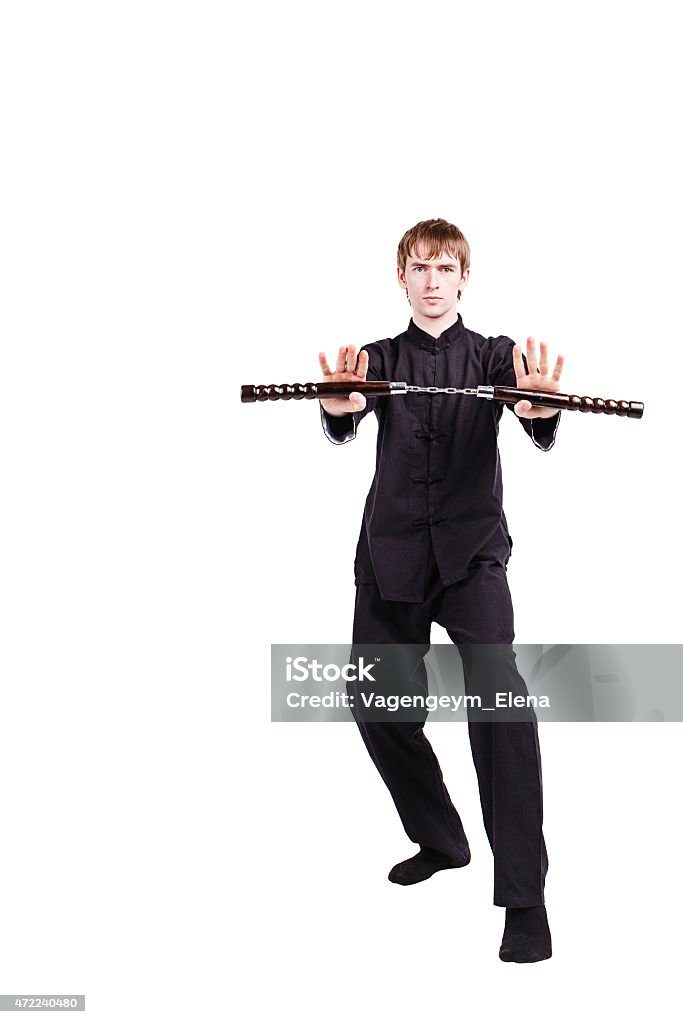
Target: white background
[196, 196]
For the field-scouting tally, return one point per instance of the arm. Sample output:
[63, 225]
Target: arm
[341, 416]
[510, 369]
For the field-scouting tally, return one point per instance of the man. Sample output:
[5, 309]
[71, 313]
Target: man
[434, 547]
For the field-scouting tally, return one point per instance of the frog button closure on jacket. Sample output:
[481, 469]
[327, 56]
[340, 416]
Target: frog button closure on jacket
[449, 443]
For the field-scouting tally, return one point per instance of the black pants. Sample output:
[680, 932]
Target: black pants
[475, 611]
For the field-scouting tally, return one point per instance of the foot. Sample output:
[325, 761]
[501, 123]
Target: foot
[526, 938]
[425, 864]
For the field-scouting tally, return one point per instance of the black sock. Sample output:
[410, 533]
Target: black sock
[526, 938]
[424, 864]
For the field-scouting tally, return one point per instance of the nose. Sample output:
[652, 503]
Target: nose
[433, 279]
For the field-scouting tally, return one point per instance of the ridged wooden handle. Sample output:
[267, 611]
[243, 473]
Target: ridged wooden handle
[549, 400]
[331, 389]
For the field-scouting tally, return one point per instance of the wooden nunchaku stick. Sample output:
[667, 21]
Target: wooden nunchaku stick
[380, 388]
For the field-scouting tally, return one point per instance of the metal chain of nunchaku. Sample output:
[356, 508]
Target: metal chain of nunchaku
[380, 388]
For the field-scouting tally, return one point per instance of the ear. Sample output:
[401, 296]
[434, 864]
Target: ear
[464, 279]
[401, 278]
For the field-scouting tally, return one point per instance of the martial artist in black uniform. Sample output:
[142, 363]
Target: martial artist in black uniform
[434, 547]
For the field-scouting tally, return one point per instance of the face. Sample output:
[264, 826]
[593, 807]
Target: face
[433, 285]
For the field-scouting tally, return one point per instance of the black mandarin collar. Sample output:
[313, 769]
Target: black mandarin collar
[431, 344]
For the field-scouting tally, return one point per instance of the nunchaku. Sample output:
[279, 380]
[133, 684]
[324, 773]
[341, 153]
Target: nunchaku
[383, 388]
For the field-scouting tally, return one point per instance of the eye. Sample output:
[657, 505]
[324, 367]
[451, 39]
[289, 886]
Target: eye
[449, 270]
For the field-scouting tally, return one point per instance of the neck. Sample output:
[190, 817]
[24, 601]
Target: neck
[436, 325]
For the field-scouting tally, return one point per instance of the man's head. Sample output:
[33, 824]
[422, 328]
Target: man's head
[433, 268]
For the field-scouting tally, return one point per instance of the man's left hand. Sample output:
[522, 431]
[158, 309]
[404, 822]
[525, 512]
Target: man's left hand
[536, 379]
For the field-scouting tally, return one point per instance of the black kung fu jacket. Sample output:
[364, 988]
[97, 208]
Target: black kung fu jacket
[438, 474]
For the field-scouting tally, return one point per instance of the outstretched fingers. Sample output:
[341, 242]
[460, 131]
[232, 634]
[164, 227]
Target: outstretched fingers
[559, 363]
[531, 355]
[518, 362]
[347, 362]
[341, 359]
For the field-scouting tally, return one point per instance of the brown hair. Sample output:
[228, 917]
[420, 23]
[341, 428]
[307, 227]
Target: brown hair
[432, 237]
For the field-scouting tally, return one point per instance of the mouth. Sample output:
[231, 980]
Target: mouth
[433, 298]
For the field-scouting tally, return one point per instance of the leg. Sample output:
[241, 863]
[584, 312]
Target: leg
[478, 616]
[400, 750]
[477, 613]
[507, 759]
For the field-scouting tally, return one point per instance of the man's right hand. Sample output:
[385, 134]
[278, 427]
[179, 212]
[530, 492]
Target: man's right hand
[349, 368]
